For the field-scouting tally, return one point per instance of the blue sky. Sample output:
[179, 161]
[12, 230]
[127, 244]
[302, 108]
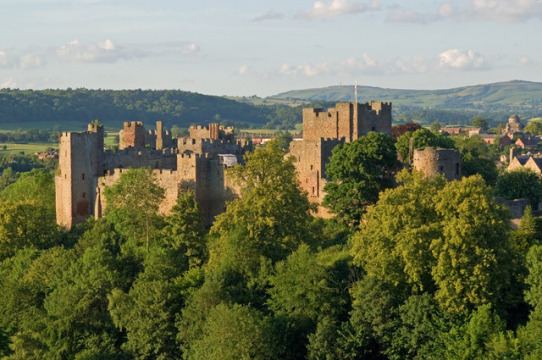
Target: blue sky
[256, 47]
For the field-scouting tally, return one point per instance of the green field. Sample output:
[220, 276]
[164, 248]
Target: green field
[268, 131]
[30, 148]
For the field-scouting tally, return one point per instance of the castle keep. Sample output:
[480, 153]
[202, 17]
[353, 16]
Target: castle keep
[193, 164]
[323, 130]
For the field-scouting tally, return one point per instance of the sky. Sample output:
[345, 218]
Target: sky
[257, 47]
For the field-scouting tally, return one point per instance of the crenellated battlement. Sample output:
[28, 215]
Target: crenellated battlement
[133, 124]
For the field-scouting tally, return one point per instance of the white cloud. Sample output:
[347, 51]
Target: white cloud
[3, 58]
[457, 59]
[524, 60]
[191, 49]
[491, 10]
[99, 52]
[335, 8]
[8, 83]
[29, 62]
[365, 64]
[446, 10]
[242, 70]
[504, 10]
[405, 16]
[270, 15]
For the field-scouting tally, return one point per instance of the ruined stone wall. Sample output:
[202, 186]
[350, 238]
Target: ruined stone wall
[433, 161]
[80, 160]
[213, 131]
[201, 146]
[132, 135]
[142, 157]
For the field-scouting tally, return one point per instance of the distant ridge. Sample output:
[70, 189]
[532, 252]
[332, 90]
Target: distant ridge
[510, 96]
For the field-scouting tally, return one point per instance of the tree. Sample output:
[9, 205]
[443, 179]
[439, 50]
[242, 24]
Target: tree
[435, 127]
[529, 335]
[282, 140]
[479, 122]
[26, 224]
[393, 244]
[234, 332]
[273, 212]
[148, 310]
[451, 240]
[359, 171]
[419, 330]
[476, 157]
[132, 203]
[520, 184]
[482, 336]
[184, 231]
[77, 308]
[534, 127]
[473, 255]
[419, 139]
[37, 185]
[304, 292]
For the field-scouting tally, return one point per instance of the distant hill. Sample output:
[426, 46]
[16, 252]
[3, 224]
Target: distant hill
[498, 100]
[74, 108]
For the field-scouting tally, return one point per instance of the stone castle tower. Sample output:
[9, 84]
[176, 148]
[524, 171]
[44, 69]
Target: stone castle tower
[432, 161]
[79, 163]
[323, 130]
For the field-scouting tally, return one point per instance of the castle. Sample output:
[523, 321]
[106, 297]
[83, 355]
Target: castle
[193, 164]
[323, 130]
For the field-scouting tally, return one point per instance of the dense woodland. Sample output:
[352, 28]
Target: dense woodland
[75, 108]
[410, 268]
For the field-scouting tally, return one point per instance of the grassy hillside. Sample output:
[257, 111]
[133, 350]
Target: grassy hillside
[522, 97]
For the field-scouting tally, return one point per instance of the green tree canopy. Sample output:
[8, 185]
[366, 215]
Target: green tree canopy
[534, 127]
[451, 240]
[233, 332]
[133, 202]
[520, 184]
[421, 138]
[479, 122]
[184, 230]
[273, 211]
[359, 171]
[26, 224]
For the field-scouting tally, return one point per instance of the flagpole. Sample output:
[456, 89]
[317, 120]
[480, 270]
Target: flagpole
[356, 91]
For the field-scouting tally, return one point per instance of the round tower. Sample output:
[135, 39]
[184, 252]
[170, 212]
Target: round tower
[432, 161]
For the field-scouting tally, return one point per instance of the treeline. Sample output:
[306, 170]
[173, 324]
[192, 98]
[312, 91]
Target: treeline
[113, 107]
[456, 117]
[30, 135]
